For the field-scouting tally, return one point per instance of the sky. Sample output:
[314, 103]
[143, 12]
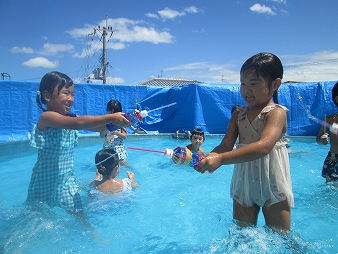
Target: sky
[203, 40]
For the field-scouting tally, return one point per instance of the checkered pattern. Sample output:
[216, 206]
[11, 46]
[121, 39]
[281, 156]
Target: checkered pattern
[53, 178]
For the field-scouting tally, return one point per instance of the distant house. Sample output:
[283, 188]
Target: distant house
[167, 82]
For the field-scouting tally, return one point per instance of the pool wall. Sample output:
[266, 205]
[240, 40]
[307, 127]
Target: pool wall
[206, 106]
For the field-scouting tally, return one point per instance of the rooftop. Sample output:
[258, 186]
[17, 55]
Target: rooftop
[167, 82]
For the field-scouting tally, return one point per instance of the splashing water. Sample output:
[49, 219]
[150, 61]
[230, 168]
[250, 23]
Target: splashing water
[332, 127]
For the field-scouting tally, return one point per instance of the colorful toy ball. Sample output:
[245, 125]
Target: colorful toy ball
[182, 156]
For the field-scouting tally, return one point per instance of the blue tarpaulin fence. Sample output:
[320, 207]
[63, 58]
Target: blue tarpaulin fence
[197, 105]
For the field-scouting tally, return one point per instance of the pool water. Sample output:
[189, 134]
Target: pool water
[175, 209]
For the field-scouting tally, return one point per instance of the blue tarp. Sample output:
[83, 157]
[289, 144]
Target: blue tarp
[198, 105]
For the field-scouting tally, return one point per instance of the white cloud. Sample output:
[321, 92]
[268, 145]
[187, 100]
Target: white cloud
[192, 9]
[81, 32]
[284, 12]
[53, 49]
[127, 30]
[205, 72]
[41, 62]
[189, 66]
[26, 50]
[168, 13]
[109, 80]
[316, 67]
[262, 9]
[145, 34]
[319, 66]
[279, 1]
[47, 49]
[115, 80]
[152, 15]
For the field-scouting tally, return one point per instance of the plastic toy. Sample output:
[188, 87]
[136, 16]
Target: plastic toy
[179, 155]
[135, 117]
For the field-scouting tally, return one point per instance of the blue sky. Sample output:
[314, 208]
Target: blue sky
[199, 40]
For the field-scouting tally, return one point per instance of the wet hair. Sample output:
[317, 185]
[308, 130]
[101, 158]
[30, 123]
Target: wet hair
[114, 106]
[265, 65]
[197, 132]
[48, 83]
[234, 108]
[335, 93]
[109, 159]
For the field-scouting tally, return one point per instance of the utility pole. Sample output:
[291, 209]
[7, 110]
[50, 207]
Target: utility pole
[104, 32]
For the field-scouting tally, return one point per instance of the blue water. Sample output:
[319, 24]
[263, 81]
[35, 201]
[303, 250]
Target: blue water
[175, 209]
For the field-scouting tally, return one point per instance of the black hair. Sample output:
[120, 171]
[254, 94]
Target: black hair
[109, 159]
[335, 93]
[234, 108]
[114, 106]
[198, 132]
[48, 83]
[265, 65]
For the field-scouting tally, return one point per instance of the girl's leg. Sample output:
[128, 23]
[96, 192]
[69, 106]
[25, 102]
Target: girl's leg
[125, 163]
[278, 216]
[246, 216]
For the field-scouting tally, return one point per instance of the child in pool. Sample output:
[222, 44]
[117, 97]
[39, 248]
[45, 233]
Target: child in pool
[261, 177]
[114, 139]
[55, 136]
[197, 138]
[107, 163]
[330, 167]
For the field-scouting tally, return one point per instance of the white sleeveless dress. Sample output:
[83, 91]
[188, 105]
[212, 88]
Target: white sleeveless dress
[265, 181]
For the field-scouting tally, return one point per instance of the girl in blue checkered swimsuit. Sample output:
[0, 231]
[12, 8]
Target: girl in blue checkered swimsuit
[114, 139]
[55, 136]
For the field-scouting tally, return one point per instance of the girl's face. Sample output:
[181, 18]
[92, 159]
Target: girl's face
[61, 102]
[254, 90]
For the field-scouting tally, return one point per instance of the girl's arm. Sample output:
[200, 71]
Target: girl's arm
[51, 119]
[131, 177]
[275, 122]
[121, 134]
[322, 136]
[97, 177]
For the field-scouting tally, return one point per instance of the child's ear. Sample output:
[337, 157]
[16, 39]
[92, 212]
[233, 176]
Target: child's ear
[46, 95]
[276, 83]
[336, 99]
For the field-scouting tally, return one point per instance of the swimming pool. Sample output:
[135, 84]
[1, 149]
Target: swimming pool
[175, 210]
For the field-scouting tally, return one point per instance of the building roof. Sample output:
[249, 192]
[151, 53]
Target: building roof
[167, 82]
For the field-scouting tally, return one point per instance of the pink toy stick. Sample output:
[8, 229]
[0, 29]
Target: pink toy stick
[145, 150]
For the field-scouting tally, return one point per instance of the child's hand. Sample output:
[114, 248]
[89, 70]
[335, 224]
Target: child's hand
[210, 163]
[324, 139]
[120, 120]
[130, 175]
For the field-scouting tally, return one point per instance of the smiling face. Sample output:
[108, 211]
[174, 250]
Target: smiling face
[196, 140]
[62, 101]
[256, 91]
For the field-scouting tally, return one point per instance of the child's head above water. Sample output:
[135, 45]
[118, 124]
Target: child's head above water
[335, 94]
[49, 82]
[107, 163]
[114, 106]
[197, 133]
[265, 66]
